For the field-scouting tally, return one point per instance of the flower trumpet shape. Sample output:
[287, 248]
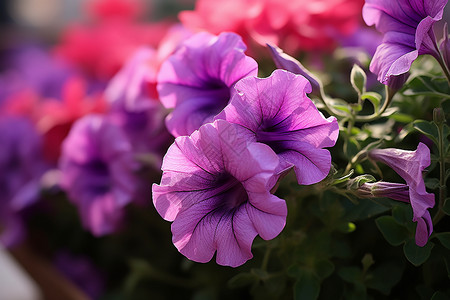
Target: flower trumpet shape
[410, 165]
[216, 189]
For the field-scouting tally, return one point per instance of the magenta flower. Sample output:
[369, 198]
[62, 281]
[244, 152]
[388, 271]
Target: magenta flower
[97, 169]
[197, 80]
[410, 165]
[407, 26]
[216, 189]
[21, 169]
[276, 111]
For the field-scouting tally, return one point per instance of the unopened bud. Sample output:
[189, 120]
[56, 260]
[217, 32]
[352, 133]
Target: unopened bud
[438, 116]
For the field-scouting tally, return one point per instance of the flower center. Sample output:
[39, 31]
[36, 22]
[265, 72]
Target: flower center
[232, 190]
[220, 92]
[271, 136]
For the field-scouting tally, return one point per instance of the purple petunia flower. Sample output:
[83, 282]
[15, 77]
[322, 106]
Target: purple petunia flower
[276, 111]
[410, 165]
[216, 189]
[407, 26]
[197, 80]
[132, 107]
[97, 169]
[21, 169]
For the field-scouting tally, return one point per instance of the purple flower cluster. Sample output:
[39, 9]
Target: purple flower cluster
[217, 183]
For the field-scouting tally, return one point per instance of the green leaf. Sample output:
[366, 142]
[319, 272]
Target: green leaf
[432, 183]
[365, 209]
[356, 107]
[439, 296]
[358, 79]
[343, 108]
[427, 128]
[428, 86]
[403, 214]
[324, 268]
[307, 287]
[367, 261]
[241, 280]
[444, 238]
[402, 118]
[350, 274]
[415, 254]
[393, 232]
[374, 98]
[384, 277]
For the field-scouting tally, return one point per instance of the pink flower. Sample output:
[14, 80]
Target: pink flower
[101, 49]
[216, 189]
[292, 25]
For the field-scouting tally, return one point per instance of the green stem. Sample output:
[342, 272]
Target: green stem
[350, 124]
[389, 95]
[323, 98]
[442, 187]
[265, 261]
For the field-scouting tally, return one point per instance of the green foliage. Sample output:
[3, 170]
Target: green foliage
[415, 254]
[430, 86]
[394, 233]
